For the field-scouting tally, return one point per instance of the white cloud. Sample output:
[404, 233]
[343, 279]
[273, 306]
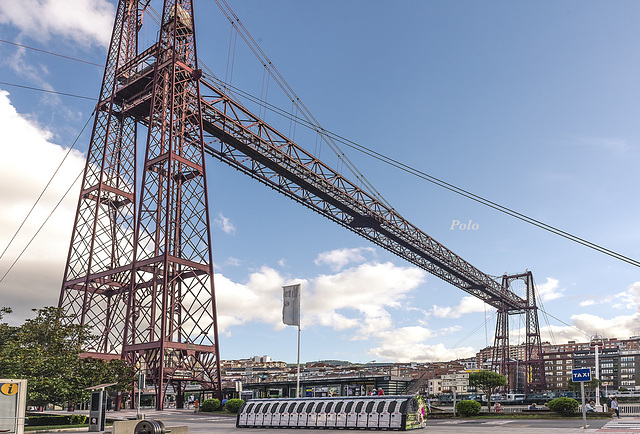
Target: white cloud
[87, 22]
[257, 300]
[340, 258]
[468, 304]
[29, 159]
[225, 224]
[233, 261]
[408, 344]
[357, 299]
[622, 326]
[625, 300]
[364, 292]
[549, 290]
[449, 330]
[631, 297]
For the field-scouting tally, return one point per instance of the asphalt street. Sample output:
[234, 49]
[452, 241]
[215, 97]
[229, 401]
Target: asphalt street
[201, 423]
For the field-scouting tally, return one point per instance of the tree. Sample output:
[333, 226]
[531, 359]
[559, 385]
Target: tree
[588, 386]
[488, 382]
[45, 351]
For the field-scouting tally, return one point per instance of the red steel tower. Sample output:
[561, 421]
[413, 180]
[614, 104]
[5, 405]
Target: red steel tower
[140, 267]
[533, 363]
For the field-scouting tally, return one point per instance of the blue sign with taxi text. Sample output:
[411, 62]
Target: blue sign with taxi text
[583, 374]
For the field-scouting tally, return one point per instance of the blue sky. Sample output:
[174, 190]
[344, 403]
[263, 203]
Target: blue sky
[531, 104]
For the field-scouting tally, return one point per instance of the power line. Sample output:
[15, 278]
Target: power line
[311, 122]
[46, 186]
[441, 183]
[51, 53]
[568, 325]
[293, 97]
[48, 91]
[484, 323]
[41, 226]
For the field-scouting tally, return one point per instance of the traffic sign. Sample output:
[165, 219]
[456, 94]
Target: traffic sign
[582, 374]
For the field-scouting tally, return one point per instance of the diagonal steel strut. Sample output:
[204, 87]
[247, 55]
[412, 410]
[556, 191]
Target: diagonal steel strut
[245, 142]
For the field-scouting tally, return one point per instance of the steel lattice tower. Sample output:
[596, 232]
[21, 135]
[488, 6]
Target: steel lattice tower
[139, 271]
[533, 362]
[143, 277]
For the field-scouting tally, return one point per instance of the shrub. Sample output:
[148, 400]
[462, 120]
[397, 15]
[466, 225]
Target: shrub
[233, 405]
[209, 405]
[78, 419]
[74, 419]
[468, 408]
[563, 406]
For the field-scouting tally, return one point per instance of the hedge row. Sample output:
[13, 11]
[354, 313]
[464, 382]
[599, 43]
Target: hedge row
[73, 419]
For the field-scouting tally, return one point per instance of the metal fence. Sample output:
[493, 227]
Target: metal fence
[364, 412]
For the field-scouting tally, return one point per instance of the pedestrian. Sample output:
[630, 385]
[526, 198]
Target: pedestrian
[609, 403]
[614, 406]
[497, 407]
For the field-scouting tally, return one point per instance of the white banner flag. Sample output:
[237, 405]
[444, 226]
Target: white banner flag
[291, 304]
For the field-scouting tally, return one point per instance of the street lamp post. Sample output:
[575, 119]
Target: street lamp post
[596, 340]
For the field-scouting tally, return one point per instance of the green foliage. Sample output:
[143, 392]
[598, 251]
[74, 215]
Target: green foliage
[74, 419]
[575, 385]
[233, 405]
[468, 408]
[488, 382]
[45, 351]
[209, 405]
[563, 406]
[4, 311]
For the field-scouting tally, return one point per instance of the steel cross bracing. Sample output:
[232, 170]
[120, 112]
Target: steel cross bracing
[148, 305]
[250, 145]
[140, 271]
[98, 271]
[533, 363]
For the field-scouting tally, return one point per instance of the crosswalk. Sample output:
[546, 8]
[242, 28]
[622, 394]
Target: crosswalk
[475, 422]
[624, 424]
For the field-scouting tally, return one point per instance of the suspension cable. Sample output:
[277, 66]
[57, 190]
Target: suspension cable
[331, 137]
[48, 91]
[47, 186]
[52, 53]
[290, 93]
[41, 226]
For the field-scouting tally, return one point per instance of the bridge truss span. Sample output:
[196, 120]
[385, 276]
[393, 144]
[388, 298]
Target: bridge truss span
[250, 145]
[140, 267]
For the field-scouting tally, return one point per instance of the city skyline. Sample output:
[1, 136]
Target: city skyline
[532, 106]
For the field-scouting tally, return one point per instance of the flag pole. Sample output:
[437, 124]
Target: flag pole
[291, 316]
[298, 376]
